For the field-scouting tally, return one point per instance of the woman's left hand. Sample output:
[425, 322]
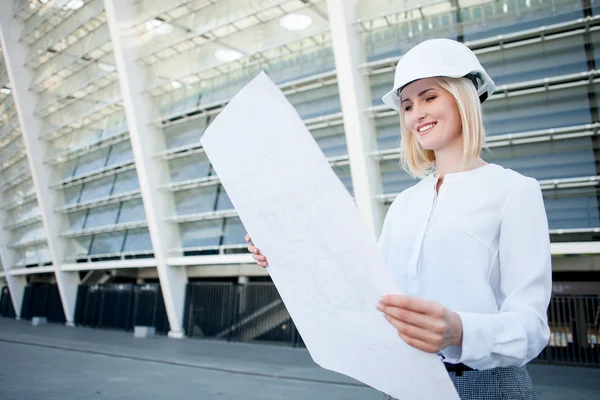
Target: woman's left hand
[423, 324]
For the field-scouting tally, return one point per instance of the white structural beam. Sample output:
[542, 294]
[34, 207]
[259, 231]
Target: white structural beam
[355, 98]
[20, 77]
[16, 284]
[146, 140]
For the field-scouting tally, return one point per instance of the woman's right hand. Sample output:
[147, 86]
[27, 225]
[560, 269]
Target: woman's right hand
[260, 259]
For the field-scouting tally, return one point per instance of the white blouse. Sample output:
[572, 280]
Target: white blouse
[481, 248]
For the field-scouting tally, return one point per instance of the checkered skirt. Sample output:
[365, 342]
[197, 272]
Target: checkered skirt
[511, 383]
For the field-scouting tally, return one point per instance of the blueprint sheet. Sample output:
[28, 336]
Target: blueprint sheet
[322, 258]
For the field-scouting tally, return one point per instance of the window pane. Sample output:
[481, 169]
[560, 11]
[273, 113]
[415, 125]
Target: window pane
[572, 208]
[344, 174]
[201, 233]
[317, 102]
[76, 220]
[71, 194]
[96, 189]
[131, 211]
[393, 178]
[185, 133]
[91, 162]
[553, 109]
[224, 202]
[195, 201]
[126, 182]
[79, 246]
[234, 232]
[120, 153]
[192, 167]
[138, 240]
[102, 216]
[548, 160]
[388, 132]
[332, 141]
[107, 243]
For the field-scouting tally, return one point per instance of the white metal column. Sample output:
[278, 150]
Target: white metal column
[355, 99]
[146, 141]
[15, 54]
[16, 284]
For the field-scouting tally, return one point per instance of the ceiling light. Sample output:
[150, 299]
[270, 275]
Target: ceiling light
[5, 90]
[74, 5]
[176, 84]
[227, 55]
[107, 67]
[159, 27]
[295, 22]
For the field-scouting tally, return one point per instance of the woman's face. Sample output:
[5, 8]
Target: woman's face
[431, 114]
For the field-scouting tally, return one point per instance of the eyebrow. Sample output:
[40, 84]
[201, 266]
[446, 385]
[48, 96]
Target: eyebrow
[420, 94]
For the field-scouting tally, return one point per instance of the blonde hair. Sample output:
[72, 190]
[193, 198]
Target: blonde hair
[419, 162]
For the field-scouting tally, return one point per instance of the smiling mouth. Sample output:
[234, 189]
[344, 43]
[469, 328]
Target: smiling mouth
[425, 129]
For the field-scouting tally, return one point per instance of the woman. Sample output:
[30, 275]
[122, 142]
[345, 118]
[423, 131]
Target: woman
[469, 244]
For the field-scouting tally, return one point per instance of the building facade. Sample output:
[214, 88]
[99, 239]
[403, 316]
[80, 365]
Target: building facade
[103, 102]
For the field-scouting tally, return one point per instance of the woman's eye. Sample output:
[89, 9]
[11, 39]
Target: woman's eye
[430, 98]
[407, 108]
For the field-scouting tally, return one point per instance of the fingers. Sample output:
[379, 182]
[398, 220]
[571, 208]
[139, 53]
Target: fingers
[260, 259]
[424, 321]
[415, 336]
[414, 304]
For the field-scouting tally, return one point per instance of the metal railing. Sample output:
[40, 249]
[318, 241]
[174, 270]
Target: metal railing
[238, 312]
[575, 331]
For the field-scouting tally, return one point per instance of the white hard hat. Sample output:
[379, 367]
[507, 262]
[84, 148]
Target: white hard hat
[439, 57]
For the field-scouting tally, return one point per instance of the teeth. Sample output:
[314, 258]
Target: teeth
[423, 129]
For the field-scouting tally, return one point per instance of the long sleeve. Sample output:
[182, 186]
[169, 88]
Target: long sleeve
[519, 331]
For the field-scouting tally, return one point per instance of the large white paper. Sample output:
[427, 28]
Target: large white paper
[323, 260]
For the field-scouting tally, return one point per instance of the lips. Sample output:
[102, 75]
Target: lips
[424, 129]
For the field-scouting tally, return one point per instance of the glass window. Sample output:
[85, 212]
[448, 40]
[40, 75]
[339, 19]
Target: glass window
[102, 216]
[79, 246]
[224, 202]
[126, 182]
[120, 153]
[548, 160]
[194, 201]
[572, 208]
[550, 109]
[185, 133]
[76, 220]
[132, 211]
[501, 18]
[393, 178]
[96, 189]
[194, 166]
[332, 141]
[29, 233]
[343, 173]
[201, 233]
[552, 58]
[388, 132]
[91, 162]
[107, 243]
[317, 102]
[71, 194]
[137, 240]
[234, 232]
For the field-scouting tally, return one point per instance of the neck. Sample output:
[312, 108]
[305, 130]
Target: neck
[448, 161]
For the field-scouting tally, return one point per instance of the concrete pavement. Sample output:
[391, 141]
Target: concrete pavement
[57, 362]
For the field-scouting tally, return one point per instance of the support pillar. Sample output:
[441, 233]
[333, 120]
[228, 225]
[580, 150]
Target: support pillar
[20, 77]
[355, 98]
[146, 140]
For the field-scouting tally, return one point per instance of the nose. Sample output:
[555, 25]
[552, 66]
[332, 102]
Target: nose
[419, 112]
